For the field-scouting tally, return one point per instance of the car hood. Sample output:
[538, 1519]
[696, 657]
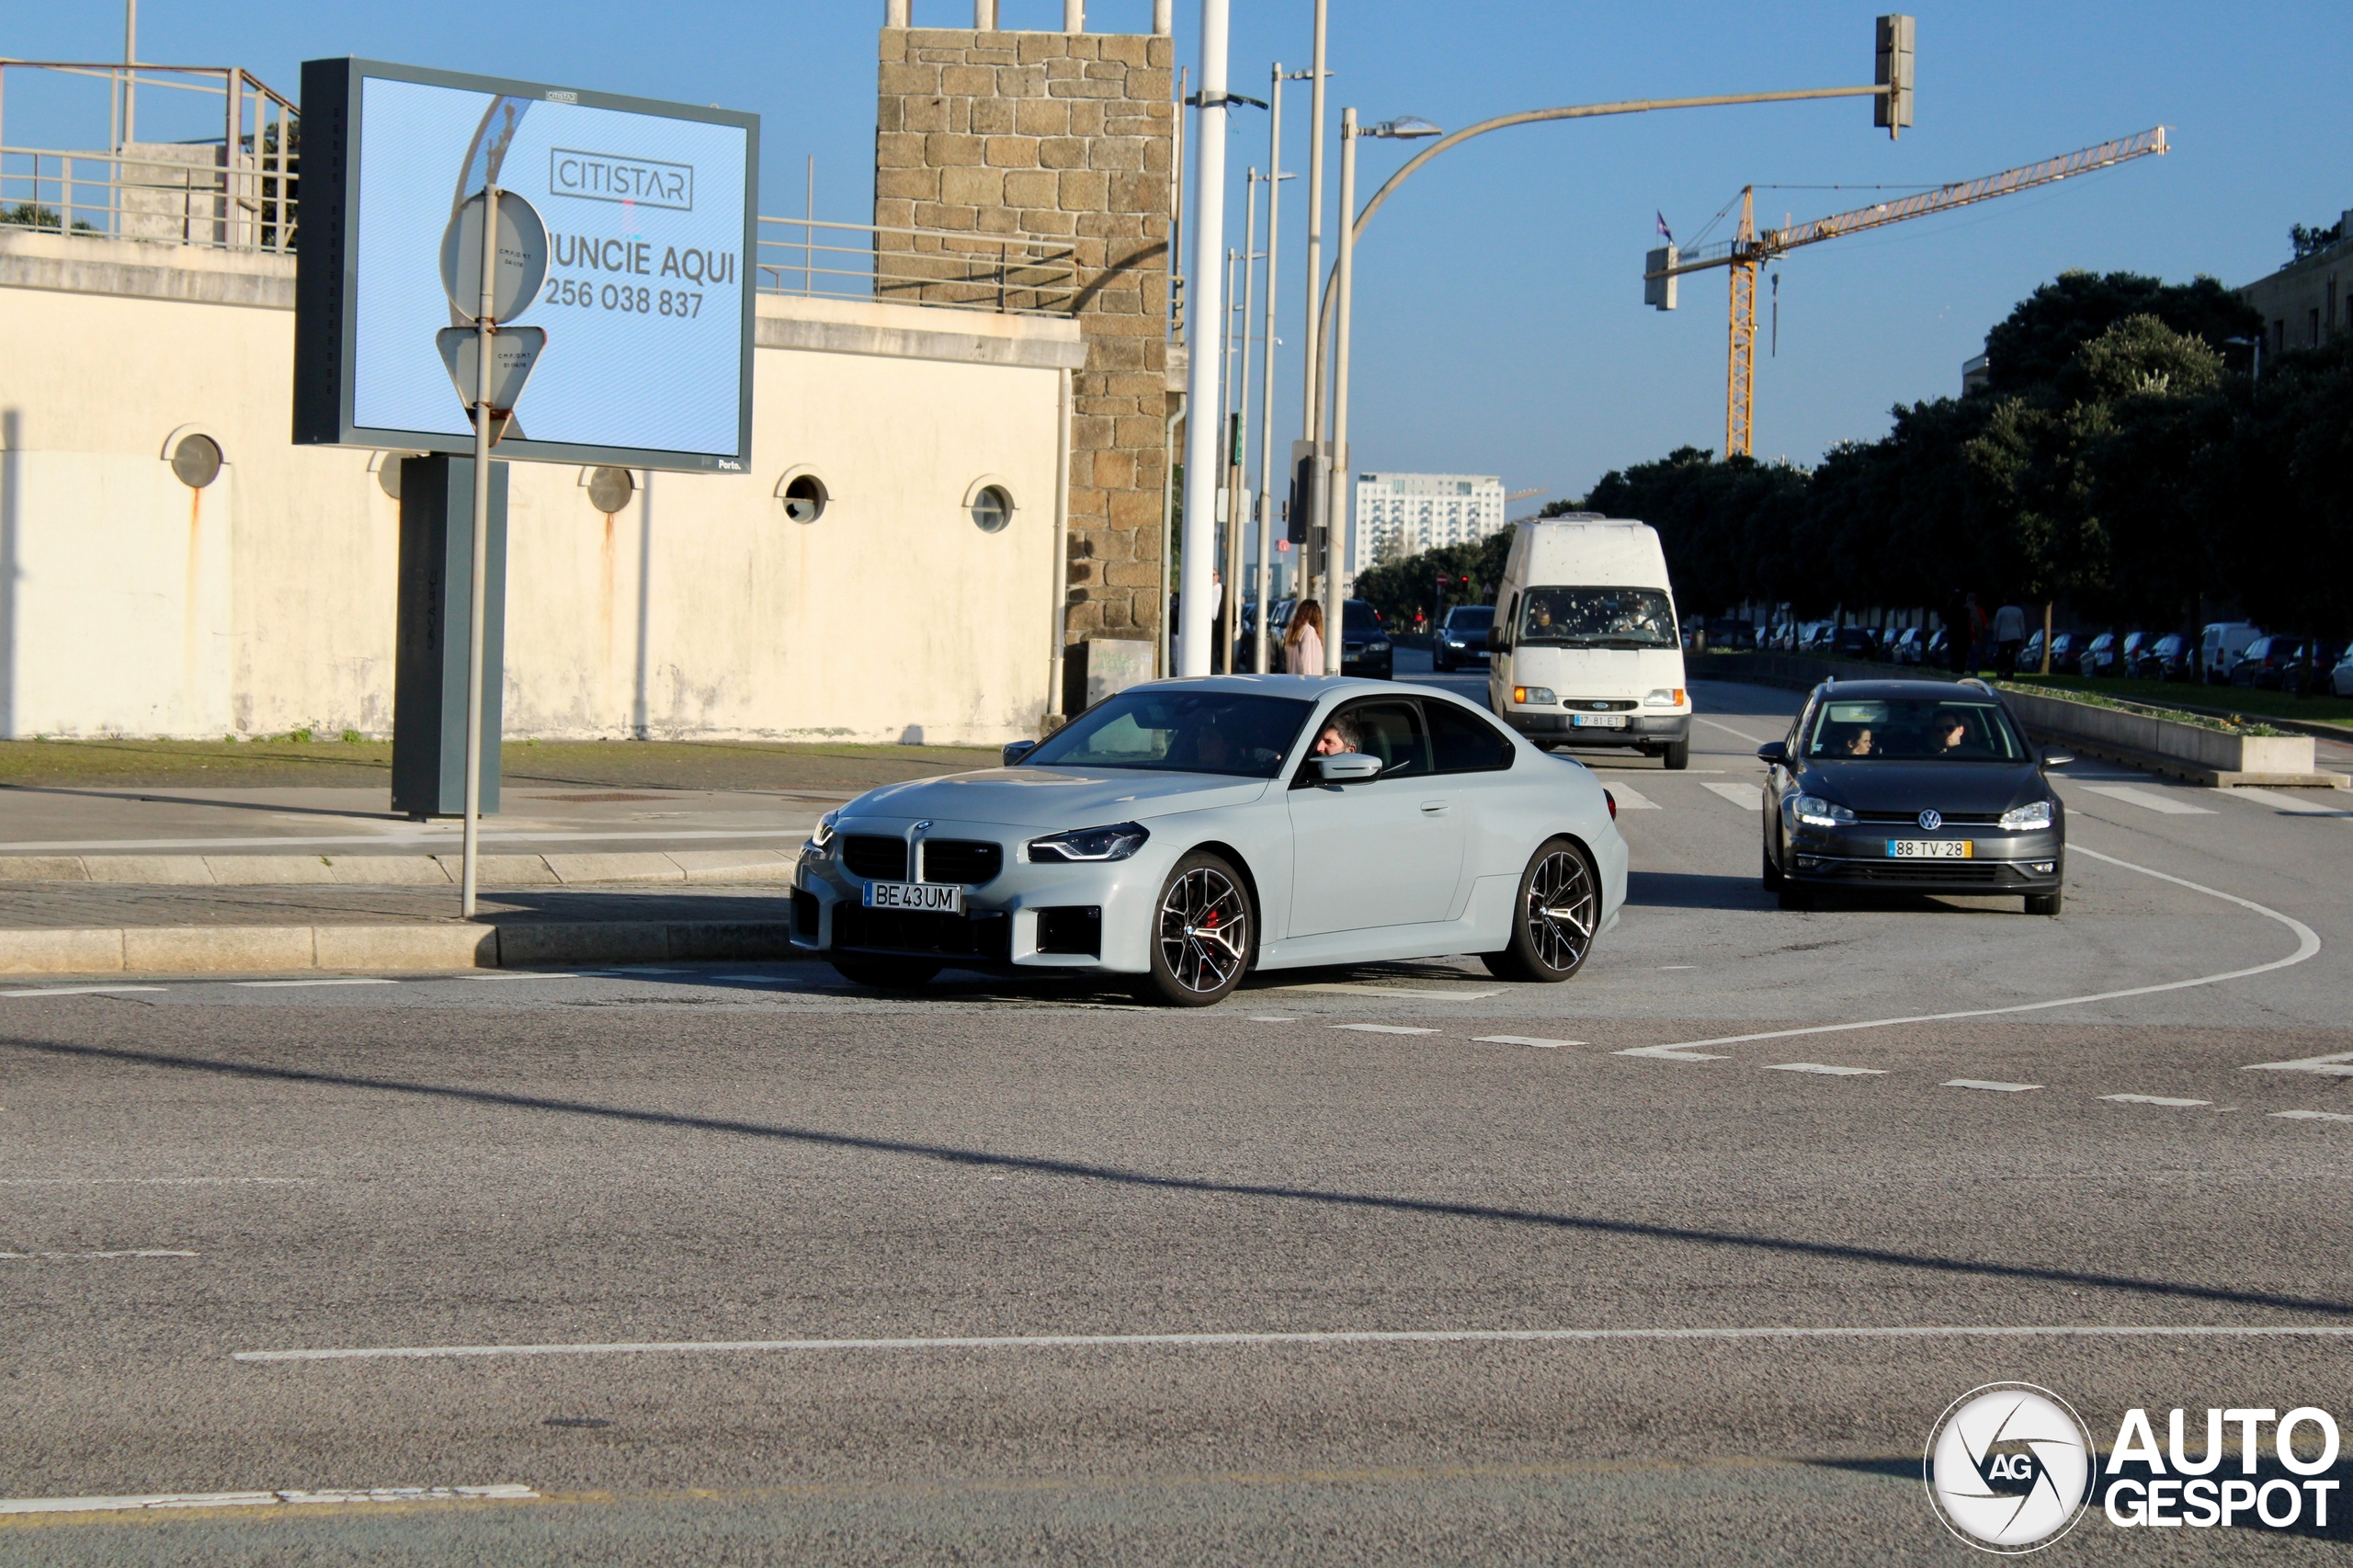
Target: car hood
[1917, 785]
[1055, 797]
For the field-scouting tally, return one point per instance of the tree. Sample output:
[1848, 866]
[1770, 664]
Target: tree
[2030, 346]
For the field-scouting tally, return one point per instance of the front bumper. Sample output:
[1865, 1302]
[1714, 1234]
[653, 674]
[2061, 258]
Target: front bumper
[1552, 726]
[1856, 856]
[1088, 918]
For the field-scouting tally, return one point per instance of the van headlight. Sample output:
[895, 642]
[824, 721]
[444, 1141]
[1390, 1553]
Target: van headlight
[822, 836]
[1115, 842]
[1665, 697]
[2021, 818]
[1533, 695]
[1815, 812]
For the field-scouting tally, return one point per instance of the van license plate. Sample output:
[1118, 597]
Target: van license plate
[1597, 721]
[929, 898]
[1931, 849]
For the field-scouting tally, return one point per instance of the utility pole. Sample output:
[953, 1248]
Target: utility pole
[1312, 416]
[1204, 314]
[1267, 383]
[1336, 505]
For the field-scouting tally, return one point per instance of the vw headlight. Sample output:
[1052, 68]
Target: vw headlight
[2021, 818]
[822, 837]
[1090, 843]
[1533, 695]
[1815, 812]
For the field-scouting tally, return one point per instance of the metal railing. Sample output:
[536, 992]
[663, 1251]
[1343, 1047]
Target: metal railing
[235, 193]
[1015, 274]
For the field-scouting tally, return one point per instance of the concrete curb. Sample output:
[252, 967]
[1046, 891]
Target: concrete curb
[401, 870]
[217, 949]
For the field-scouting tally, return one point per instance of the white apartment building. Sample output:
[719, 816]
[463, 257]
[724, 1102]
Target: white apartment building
[1399, 515]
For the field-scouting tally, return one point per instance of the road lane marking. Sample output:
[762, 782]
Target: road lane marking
[1383, 1028]
[158, 1181]
[2334, 1066]
[1747, 797]
[1670, 1053]
[2307, 944]
[1826, 1068]
[1341, 988]
[1273, 1018]
[2152, 1099]
[516, 974]
[288, 985]
[1310, 1337]
[1629, 799]
[2312, 1116]
[163, 1500]
[1525, 1040]
[2290, 804]
[84, 1256]
[2150, 801]
[79, 990]
[1727, 728]
[1988, 1084]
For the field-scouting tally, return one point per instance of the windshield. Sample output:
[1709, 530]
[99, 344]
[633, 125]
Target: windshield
[1471, 617]
[1362, 617]
[1913, 729]
[1180, 731]
[1596, 618]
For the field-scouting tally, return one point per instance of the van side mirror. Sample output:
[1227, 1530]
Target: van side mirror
[1015, 750]
[1348, 767]
[1774, 752]
[1496, 642]
[2051, 758]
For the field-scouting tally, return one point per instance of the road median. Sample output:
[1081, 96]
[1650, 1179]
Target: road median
[403, 946]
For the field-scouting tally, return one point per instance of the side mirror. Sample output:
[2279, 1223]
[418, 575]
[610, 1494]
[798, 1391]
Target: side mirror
[1015, 750]
[1496, 642]
[2057, 758]
[1773, 750]
[1348, 767]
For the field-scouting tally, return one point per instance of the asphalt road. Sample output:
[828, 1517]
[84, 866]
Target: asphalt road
[818, 1276]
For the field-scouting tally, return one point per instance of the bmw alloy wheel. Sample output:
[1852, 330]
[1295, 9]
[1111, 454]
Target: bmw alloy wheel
[1562, 911]
[1204, 932]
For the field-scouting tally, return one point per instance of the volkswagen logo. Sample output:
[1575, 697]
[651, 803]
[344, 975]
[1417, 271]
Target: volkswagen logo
[1931, 821]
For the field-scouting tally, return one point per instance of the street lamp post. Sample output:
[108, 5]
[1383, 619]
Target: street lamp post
[1275, 178]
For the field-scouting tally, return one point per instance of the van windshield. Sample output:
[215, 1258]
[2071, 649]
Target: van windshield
[1596, 618]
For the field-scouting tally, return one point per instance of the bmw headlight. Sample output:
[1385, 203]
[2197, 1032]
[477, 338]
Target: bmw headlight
[1090, 843]
[1377, 647]
[1815, 812]
[822, 836]
[1533, 695]
[2021, 818]
[1454, 641]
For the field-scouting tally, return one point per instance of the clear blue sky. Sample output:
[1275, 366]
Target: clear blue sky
[1500, 327]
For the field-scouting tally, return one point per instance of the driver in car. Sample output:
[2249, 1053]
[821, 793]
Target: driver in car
[1338, 739]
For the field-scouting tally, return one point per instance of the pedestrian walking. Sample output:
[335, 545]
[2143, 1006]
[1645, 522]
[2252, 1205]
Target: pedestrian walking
[2009, 636]
[1303, 640]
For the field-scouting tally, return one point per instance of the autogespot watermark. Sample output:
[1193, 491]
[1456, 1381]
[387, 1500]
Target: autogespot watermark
[2011, 1468]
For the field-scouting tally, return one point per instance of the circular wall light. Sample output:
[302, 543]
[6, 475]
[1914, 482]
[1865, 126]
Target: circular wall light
[990, 502]
[610, 488]
[803, 495]
[194, 453]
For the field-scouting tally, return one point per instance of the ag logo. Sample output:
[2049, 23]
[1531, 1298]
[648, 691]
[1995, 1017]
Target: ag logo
[2009, 1468]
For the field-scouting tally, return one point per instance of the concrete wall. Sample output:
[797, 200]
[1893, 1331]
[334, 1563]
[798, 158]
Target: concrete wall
[131, 604]
[2306, 302]
[1068, 137]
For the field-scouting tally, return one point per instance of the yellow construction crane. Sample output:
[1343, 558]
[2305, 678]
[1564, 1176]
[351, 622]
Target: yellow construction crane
[1748, 251]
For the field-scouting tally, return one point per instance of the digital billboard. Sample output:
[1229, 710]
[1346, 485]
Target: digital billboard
[646, 302]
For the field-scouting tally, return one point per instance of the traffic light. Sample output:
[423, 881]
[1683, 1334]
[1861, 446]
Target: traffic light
[1306, 489]
[1892, 110]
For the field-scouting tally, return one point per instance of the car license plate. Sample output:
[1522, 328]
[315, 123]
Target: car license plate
[929, 898]
[1597, 721]
[1931, 849]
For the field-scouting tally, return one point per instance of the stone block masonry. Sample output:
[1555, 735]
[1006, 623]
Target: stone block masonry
[1065, 140]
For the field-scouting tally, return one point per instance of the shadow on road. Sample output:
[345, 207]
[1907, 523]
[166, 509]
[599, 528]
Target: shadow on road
[1694, 889]
[1790, 1246]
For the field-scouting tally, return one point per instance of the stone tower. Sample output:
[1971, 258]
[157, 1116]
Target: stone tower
[1065, 137]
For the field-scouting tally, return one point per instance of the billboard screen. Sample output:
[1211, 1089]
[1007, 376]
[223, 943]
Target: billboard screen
[647, 299]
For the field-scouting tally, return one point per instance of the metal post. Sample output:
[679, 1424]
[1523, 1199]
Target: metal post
[1311, 412]
[230, 147]
[131, 74]
[1230, 460]
[809, 232]
[1054, 705]
[1204, 314]
[476, 593]
[1164, 18]
[1236, 555]
[1267, 383]
[1336, 503]
[1074, 15]
[894, 13]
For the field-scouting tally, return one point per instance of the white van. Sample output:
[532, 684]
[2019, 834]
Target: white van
[1584, 648]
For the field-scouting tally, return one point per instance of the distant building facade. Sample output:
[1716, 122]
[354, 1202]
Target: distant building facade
[2303, 304]
[1399, 515]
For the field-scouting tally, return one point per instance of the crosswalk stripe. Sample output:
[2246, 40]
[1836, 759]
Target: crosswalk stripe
[1629, 799]
[1748, 797]
[2150, 799]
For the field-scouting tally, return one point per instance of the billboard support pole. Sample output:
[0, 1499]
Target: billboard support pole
[477, 588]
